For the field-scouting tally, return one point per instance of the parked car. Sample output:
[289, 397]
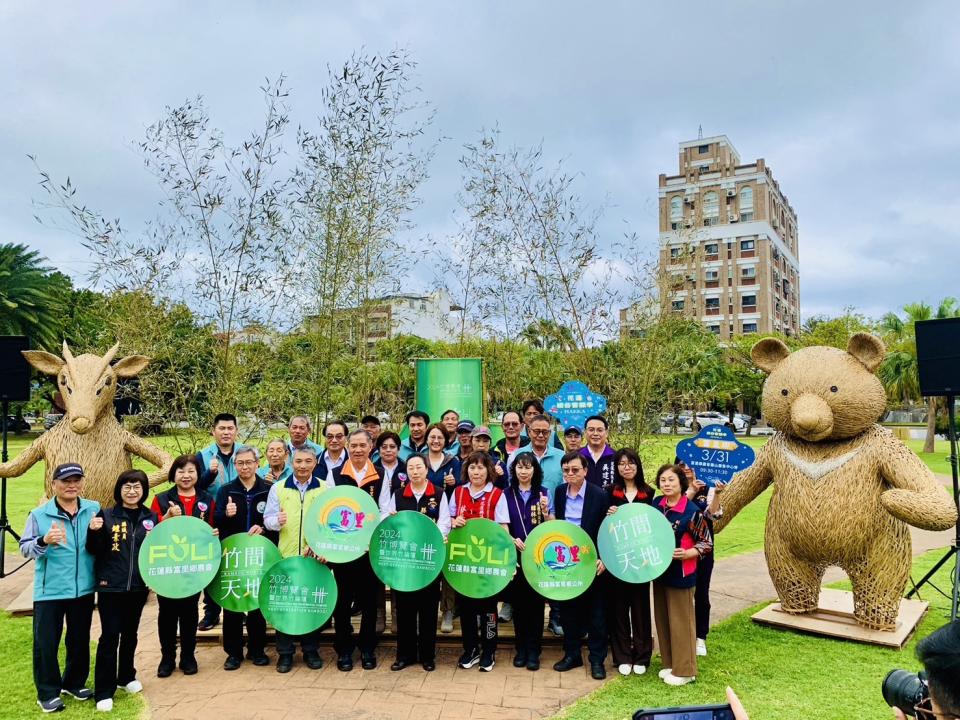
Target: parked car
[712, 417]
[17, 425]
[747, 419]
[51, 419]
[683, 419]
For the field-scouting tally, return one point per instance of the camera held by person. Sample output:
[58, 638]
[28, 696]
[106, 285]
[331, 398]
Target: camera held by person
[935, 692]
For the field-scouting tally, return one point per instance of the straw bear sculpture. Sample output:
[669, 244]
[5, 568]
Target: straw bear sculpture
[89, 433]
[844, 488]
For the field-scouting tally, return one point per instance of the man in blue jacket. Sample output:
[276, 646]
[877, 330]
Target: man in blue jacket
[63, 584]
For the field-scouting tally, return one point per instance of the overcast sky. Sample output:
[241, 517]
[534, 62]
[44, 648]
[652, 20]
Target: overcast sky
[854, 105]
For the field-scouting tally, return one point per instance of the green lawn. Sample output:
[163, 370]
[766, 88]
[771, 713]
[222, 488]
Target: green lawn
[779, 675]
[18, 696]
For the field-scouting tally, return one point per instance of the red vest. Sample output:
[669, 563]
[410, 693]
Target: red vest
[482, 507]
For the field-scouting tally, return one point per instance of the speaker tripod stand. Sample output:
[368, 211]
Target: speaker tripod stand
[954, 552]
[5, 528]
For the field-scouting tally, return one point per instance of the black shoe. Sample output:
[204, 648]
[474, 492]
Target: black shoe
[260, 659]
[533, 664]
[51, 706]
[400, 665]
[368, 661]
[209, 622]
[166, 667]
[597, 671]
[345, 663]
[519, 660]
[232, 663]
[284, 663]
[313, 660]
[568, 663]
[429, 665]
[487, 662]
[79, 694]
[469, 659]
[189, 665]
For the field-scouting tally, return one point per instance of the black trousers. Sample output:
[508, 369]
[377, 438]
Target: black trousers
[701, 596]
[417, 623]
[119, 622]
[171, 614]
[628, 620]
[527, 606]
[287, 644]
[585, 613]
[210, 608]
[355, 582]
[478, 623]
[48, 619]
[233, 623]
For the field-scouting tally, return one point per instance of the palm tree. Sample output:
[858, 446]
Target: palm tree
[899, 371]
[31, 296]
[546, 334]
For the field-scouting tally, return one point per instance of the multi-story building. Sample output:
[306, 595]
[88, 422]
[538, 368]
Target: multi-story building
[728, 242]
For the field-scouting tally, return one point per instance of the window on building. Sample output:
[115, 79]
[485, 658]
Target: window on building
[748, 300]
[715, 329]
[750, 271]
[747, 245]
[711, 248]
[746, 200]
[750, 327]
[676, 209]
[712, 303]
[677, 305]
[703, 149]
[711, 275]
[423, 306]
[746, 216]
[711, 205]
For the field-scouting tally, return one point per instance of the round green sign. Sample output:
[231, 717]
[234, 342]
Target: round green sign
[407, 551]
[636, 543]
[481, 558]
[179, 557]
[559, 560]
[297, 595]
[243, 558]
[341, 523]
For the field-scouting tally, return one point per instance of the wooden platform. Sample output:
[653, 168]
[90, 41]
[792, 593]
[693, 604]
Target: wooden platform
[834, 618]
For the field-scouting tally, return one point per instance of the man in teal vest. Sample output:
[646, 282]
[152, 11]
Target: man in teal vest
[287, 506]
[63, 584]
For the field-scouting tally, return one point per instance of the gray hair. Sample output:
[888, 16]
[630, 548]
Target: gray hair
[247, 449]
[361, 431]
[304, 418]
[282, 442]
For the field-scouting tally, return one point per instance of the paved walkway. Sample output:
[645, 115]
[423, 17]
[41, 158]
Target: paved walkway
[507, 693]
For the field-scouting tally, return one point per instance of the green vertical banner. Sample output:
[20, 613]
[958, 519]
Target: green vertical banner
[445, 383]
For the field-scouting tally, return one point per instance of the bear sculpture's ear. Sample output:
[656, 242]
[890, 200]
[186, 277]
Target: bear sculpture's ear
[768, 353]
[868, 349]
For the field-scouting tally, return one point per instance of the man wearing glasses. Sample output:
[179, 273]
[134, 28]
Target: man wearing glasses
[512, 440]
[598, 454]
[335, 434]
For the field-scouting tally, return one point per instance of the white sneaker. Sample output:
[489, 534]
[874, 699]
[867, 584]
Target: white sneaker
[663, 673]
[701, 647]
[105, 705]
[133, 687]
[624, 669]
[446, 624]
[671, 679]
[639, 669]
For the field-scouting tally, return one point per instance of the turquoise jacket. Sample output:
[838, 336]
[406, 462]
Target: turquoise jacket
[308, 443]
[64, 571]
[226, 473]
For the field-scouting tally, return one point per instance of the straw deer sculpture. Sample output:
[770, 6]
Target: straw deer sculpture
[89, 432]
[844, 488]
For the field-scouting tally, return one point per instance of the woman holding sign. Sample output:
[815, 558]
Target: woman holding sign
[529, 506]
[444, 471]
[477, 497]
[628, 608]
[181, 500]
[417, 610]
[114, 539]
[673, 591]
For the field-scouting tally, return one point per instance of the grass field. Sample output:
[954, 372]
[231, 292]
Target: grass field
[779, 675]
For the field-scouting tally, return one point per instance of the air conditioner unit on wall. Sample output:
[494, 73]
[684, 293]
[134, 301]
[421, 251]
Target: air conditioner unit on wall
[689, 200]
[688, 223]
[733, 217]
[731, 193]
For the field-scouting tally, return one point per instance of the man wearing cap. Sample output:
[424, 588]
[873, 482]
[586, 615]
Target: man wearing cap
[572, 438]
[63, 584]
[481, 441]
[464, 443]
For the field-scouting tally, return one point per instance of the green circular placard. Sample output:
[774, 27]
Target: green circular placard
[636, 543]
[179, 557]
[341, 523]
[243, 558]
[481, 558]
[559, 560]
[297, 595]
[407, 551]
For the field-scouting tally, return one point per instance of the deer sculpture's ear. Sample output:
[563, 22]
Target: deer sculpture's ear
[130, 366]
[45, 362]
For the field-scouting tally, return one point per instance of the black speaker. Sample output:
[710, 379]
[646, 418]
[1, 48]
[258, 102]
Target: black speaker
[14, 369]
[938, 356]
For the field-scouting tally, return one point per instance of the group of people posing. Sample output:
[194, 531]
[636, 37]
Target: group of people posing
[451, 472]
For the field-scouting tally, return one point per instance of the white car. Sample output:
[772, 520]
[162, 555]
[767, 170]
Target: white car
[712, 417]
